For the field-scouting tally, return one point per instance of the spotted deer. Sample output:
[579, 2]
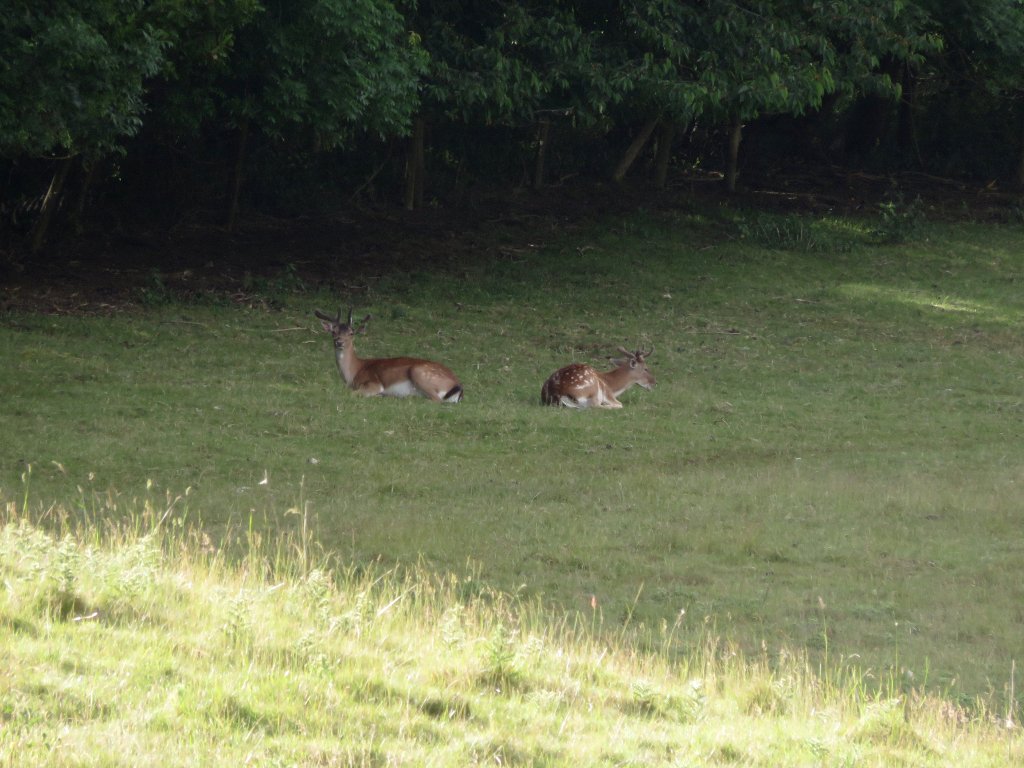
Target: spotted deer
[581, 386]
[388, 376]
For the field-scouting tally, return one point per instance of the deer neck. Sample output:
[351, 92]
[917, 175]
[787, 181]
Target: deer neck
[348, 363]
[617, 380]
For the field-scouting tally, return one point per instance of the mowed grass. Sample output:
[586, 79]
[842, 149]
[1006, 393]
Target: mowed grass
[832, 461]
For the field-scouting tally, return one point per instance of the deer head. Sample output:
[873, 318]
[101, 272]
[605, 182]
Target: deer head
[634, 363]
[342, 333]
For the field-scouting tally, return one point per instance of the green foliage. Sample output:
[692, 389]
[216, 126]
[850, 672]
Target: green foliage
[318, 89]
[646, 52]
[900, 221]
[768, 57]
[324, 69]
[73, 76]
[502, 63]
[190, 91]
[755, 59]
[984, 43]
[797, 233]
[970, 122]
[872, 39]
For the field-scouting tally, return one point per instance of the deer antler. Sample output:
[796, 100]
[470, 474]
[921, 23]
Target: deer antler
[637, 355]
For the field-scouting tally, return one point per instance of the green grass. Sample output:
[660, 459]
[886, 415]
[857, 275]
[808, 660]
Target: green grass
[830, 463]
[143, 646]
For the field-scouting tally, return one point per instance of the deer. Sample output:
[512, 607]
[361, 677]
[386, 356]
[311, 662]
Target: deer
[580, 386]
[387, 376]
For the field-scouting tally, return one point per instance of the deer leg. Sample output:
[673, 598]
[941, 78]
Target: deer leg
[371, 389]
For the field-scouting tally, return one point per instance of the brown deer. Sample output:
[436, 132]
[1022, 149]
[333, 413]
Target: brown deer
[389, 376]
[580, 386]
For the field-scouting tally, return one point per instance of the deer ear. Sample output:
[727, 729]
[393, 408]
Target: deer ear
[327, 324]
[362, 324]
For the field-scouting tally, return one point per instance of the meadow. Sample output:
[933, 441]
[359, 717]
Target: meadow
[828, 470]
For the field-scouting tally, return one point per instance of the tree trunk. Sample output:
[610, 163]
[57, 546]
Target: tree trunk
[50, 204]
[236, 179]
[661, 160]
[634, 150]
[83, 194]
[906, 134]
[543, 132]
[415, 166]
[1020, 159]
[732, 161]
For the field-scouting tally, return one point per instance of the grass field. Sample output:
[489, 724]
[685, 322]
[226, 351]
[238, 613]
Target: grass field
[831, 462]
[146, 647]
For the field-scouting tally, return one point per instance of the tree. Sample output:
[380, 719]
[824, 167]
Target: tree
[318, 72]
[976, 84]
[188, 92]
[879, 46]
[760, 57]
[72, 80]
[505, 64]
[646, 54]
[764, 57]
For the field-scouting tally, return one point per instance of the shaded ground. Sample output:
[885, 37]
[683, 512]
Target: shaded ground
[99, 274]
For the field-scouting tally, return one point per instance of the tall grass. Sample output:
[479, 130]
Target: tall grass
[142, 644]
[828, 468]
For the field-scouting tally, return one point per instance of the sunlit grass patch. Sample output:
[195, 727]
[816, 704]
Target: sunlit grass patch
[269, 659]
[913, 297]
